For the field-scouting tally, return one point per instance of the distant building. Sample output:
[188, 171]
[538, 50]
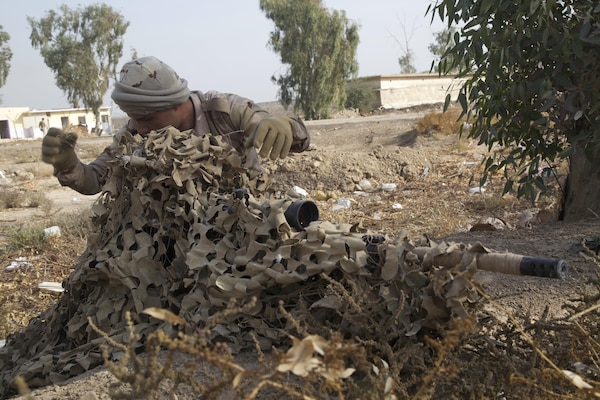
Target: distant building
[24, 123]
[408, 90]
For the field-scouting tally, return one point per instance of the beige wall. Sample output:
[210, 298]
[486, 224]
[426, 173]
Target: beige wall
[401, 91]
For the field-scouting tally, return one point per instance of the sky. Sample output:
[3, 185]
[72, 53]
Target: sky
[215, 45]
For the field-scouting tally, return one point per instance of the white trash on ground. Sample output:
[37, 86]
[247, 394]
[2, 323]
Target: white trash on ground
[51, 286]
[297, 191]
[477, 189]
[52, 231]
[19, 263]
[388, 187]
[365, 185]
[342, 203]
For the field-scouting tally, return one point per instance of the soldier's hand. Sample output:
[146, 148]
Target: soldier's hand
[58, 149]
[273, 136]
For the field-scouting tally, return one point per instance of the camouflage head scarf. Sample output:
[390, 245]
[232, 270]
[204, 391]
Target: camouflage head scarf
[147, 85]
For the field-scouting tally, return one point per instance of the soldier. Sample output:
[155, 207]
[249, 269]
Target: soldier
[42, 126]
[153, 96]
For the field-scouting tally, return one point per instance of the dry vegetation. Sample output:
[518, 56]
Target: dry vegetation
[479, 357]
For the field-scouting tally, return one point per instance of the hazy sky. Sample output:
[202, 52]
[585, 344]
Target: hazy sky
[215, 45]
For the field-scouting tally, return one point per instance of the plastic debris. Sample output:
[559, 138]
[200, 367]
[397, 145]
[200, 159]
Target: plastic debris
[342, 203]
[477, 189]
[52, 231]
[397, 206]
[301, 192]
[51, 287]
[388, 187]
[365, 185]
[19, 263]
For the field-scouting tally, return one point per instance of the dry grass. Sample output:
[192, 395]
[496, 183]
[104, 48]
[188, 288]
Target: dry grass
[17, 198]
[441, 123]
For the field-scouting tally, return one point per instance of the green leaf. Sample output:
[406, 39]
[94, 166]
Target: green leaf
[585, 30]
[462, 99]
[447, 102]
[533, 6]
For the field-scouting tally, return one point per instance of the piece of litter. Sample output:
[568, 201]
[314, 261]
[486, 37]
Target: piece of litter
[476, 189]
[18, 263]
[388, 187]
[52, 231]
[397, 206]
[51, 286]
[300, 191]
[342, 203]
[365, 185]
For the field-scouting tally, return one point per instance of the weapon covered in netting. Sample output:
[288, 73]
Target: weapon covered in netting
[181, 225]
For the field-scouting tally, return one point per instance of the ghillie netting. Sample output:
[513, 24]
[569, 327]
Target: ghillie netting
[182, 226]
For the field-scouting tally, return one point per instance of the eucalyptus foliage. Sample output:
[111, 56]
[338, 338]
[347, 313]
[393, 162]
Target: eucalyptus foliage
[82, 47]
[532, 70]
[5, 56]
[319, 47]
[439, 48]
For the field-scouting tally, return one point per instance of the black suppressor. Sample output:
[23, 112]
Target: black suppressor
[545, 267]
[301, 213]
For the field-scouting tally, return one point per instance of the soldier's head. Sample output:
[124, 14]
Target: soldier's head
[153, 95]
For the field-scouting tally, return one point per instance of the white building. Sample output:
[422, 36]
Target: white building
[408, 90]
[24, 123]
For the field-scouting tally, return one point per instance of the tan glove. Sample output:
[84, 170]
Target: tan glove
[58, 149]
[273, 136]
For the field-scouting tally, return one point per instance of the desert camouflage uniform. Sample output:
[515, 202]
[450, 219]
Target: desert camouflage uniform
[228, 115]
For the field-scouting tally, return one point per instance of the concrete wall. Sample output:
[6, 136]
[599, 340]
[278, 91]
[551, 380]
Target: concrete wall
[11, 122]
[401, 91]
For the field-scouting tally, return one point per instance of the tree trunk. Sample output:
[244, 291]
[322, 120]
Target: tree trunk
[582, 193]
[97, 129]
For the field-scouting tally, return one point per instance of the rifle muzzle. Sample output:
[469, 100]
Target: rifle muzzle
[301, 213]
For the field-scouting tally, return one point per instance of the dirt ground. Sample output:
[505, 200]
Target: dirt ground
[380, 171]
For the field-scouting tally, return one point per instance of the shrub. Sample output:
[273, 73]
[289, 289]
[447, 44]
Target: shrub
[26, 237]
[445, 123]
[361, 98]
[11, 198]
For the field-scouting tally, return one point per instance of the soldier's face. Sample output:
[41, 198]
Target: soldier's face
[144, 123]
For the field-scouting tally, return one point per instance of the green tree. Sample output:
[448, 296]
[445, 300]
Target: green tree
[532, 70]
[82, 47]
[5, 56]
[406, 62]
[439, 48]
[319, 47]
[407, 59]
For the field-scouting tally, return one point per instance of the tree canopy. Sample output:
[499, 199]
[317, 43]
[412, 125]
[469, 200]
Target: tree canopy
[532, 86]
[82, 47]
[5, 56]
[439, 48]
[319, 48]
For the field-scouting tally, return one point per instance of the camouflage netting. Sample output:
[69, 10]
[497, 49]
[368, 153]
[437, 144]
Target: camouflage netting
[173, 230]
